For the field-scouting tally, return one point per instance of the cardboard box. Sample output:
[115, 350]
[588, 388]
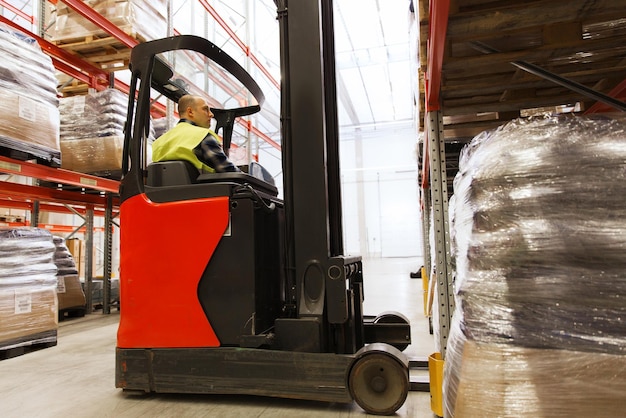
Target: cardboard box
[28, 121]
[76, 247]
[92, 155]
[26, 311]
[70, 292]
[511, 381]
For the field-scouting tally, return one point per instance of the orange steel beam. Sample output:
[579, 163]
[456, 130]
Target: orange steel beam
[18, 12]
[57, 175]
[258, 133]
[618, 92]
[245, 48]
[438, 21]
[68, 229]
[437, 30]
[27, 204]
[53, 195]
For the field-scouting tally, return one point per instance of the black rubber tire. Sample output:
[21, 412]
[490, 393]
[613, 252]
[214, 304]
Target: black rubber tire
[379, 383]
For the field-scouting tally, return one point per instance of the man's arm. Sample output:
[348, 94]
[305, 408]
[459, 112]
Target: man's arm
[210, 152]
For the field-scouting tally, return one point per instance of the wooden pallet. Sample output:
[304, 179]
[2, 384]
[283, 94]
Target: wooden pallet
[20, 346]
[73, 88]
[100, 49]
[29, 152]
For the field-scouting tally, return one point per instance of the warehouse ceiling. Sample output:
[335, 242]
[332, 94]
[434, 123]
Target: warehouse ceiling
[372, 58]
[372, 44]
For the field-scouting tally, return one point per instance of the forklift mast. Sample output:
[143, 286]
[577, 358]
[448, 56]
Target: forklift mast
[312, 190]
[310, 136]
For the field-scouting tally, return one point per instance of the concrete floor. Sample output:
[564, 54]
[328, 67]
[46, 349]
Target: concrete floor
[76, 377]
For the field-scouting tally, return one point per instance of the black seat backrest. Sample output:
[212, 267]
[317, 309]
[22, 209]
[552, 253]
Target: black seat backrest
[171, 173]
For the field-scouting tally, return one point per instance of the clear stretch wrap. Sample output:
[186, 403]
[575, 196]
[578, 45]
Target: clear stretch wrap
[28, 282]
[63, 259]
[540, 244]
[29, 115]
[69, 290]
[92, 131]
[96, 114]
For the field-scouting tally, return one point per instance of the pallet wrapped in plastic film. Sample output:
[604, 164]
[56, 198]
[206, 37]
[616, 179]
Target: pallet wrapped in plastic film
[29, 115]
[70, 294]
[28, 283]
[140, 19]
[540, 244]
[92, 132]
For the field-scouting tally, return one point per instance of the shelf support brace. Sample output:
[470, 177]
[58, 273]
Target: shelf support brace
[108, 240]
[555, 78]
[89, 259]
[439, 202]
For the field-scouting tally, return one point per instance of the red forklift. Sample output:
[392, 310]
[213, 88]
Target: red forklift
[227, 288]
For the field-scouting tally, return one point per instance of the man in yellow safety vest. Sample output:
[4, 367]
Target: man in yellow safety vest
[192, 139]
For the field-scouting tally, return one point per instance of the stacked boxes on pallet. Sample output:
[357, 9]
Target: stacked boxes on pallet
[138, 18]
[69, 290]
[28, 282]
[540, 236]
[92, 131]
[29, 115]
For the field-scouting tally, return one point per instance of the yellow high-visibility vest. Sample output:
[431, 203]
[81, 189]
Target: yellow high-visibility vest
[178, 144]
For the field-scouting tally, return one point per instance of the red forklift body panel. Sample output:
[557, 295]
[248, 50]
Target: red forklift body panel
[165, 248]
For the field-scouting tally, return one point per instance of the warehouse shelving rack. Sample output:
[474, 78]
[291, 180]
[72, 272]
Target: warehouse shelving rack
[80, 194]
[67, 192]
[484, 63]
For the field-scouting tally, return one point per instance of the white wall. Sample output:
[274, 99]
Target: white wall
[380, 192]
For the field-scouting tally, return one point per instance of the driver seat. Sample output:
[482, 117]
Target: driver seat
[172, 173]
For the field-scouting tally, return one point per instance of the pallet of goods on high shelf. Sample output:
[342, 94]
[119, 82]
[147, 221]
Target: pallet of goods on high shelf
[29, 114]
[540, 240]
[139, 19]
[92, 132]
[28, 283]
[69, 291]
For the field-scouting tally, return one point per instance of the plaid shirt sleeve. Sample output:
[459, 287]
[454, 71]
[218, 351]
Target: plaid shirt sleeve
[210, 152]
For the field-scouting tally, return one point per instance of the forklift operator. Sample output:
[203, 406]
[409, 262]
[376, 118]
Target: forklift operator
[192, 139]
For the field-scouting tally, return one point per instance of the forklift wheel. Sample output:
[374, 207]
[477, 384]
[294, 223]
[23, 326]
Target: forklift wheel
[379, 383]
[393, 318]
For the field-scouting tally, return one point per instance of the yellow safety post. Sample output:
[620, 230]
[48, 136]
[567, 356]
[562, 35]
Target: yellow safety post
[425, 290]
[435, 372]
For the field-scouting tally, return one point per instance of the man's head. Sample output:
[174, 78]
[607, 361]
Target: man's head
[195, 109]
